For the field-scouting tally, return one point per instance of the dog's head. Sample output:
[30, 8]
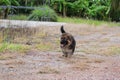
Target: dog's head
[65, 38]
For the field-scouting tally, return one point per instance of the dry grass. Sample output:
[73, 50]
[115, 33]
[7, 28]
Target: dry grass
[110, 50]
[77, 62]
[98, 60]
[47, 38]
[41, 34]
[104, 40]
[80, 66]
[15, 62]
[44, 46]
[3, 58]
[1, 38]
[48, 70]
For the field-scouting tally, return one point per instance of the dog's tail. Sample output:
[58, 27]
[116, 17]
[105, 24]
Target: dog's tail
[62, 29]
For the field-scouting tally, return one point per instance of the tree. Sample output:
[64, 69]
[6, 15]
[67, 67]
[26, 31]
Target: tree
[115, 10]
[60, 5]
[92, 9]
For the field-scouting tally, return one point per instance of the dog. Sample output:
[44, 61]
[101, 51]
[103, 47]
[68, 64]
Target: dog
[67, 43]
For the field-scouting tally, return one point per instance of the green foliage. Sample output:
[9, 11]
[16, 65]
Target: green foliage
[92, 9]
[43, 12]
[9, 2]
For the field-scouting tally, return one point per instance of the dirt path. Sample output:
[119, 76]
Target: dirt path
[97, 57]
[50, 66]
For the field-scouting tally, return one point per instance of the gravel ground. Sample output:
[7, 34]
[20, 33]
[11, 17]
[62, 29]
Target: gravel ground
[51, 66]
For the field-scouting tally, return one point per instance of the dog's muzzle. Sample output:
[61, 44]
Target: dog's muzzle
[63, 43]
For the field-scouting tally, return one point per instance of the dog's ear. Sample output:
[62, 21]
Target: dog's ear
[62, 29]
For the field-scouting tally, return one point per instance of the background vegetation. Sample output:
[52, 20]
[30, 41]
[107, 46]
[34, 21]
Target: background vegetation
[89, 9]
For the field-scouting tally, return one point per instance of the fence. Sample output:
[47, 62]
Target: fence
[12, 13]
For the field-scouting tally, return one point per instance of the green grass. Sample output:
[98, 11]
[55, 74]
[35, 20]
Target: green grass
[11, 47]
[86, 21]
[18, 17]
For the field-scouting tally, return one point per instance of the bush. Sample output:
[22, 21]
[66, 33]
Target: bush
[43, 13]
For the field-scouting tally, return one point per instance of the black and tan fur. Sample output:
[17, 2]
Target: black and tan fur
[67, 43]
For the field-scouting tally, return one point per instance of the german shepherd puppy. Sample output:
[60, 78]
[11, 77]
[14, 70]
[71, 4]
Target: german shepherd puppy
[67, 43]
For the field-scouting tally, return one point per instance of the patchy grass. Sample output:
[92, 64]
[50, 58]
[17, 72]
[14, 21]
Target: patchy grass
[15, 62]
[111, 50]
[104, 40]
[80, 66]
[98, 60]
[48, 70]
[44, 46]
[1, 38]
[41, 34]
[114, 50]
[86, 21]
[11, 47]
[2, 57]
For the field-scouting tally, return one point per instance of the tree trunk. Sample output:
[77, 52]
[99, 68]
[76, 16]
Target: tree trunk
[64, 10]
[115, 10]
[6, 13]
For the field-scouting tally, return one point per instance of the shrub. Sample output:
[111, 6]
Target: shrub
[43, 13]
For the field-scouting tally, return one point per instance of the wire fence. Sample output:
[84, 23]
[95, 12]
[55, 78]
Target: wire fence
[12, 12]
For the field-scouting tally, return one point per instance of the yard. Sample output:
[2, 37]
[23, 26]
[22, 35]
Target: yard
[96, 57]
